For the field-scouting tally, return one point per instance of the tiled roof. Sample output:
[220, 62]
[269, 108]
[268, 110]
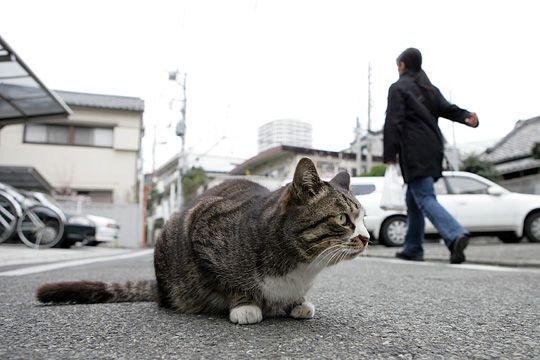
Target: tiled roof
[102, 101]
[517, 165]
[284, 150]
[517, 144]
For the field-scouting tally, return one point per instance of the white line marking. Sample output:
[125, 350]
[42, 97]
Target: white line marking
[452, 266]
[59, 265]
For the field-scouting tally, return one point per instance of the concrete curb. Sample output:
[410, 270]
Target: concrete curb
[480, 251]
[510, 263]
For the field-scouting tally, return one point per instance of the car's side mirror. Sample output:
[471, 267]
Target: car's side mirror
[495, 190]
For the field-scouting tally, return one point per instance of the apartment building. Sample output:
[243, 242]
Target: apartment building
[285, 132]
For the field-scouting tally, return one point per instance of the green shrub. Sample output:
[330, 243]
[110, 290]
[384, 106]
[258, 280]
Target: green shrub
[377, 170]
[480, 167]
[192, 180]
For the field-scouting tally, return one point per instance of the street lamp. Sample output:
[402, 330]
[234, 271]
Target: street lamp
[181, 132]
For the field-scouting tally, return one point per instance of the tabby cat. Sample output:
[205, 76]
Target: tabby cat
[243, 250]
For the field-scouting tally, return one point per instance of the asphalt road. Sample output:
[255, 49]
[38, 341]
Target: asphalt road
[367, 308]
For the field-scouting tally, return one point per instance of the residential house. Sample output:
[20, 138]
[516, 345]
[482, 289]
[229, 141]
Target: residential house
[278, 163]
[513, 158]
[370, 146]
[94, 152]
[161, 186]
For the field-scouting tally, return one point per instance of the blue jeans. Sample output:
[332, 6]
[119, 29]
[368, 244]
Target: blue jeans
[421, 201]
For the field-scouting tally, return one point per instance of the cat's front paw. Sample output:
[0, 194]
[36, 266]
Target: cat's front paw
[305, 310]
[246, 314]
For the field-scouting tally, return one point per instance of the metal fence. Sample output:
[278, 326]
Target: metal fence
[127, 216]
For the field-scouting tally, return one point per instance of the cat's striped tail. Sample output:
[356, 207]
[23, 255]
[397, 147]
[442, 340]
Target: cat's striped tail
[91, 292]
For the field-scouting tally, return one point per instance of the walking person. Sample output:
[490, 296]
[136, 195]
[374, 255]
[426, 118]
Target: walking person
[412, 135]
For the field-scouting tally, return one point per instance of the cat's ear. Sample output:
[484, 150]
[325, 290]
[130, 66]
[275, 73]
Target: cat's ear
[343, 180]
[306, 181]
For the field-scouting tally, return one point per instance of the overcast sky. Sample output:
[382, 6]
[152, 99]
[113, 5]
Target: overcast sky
[252, 61]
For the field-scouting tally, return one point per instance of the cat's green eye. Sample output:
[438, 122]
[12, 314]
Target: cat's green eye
[341, 219]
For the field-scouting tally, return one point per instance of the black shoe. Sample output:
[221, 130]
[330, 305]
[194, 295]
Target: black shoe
[401, 255]
[456, 249]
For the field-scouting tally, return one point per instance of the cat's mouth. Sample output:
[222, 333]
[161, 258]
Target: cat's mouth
[359, 240]
[357, 244]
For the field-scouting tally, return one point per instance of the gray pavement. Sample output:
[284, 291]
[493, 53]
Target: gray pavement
[485, 251]
[481, 250]
[369, 308]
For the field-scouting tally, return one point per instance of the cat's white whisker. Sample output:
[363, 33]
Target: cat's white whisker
[346, 253]
[328, 252]
[339, 257]
[319, 244]
[335, 255]
[322, 258]
[330, 248]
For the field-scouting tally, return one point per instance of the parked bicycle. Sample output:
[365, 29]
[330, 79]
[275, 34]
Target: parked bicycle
[37, 225]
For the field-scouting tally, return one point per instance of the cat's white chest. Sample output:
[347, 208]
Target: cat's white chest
[290, 287]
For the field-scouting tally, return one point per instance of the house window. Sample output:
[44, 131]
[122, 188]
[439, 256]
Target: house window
[68, 135]
[49, 134]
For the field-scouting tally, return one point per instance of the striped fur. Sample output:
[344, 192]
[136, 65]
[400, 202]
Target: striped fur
[89, 292]
[240, 247]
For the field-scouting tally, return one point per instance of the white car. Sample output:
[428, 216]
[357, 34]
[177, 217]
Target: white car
[107, 229]
[480, 205]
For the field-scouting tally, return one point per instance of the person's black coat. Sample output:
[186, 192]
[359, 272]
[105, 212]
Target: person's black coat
[411, 127]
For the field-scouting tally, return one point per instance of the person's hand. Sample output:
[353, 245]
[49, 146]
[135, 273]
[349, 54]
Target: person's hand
[472, 120]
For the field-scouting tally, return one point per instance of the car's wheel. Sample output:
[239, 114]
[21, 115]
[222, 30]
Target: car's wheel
[532, 227]
[509, 238]
[393, 231]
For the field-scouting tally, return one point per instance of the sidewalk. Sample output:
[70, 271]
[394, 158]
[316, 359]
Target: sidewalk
[19, 254]
[479, 251]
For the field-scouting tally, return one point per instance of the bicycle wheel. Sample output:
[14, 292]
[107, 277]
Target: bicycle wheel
[10, 211]
[40, 227]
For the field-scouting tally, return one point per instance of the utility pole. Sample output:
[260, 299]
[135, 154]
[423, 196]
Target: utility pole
[154, 153]
[154, 145]
[181, 132]
[369, 99]
[358, 132]
[369, 155]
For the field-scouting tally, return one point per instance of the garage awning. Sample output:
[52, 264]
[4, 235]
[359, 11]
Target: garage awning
[23, 96]
[25, 178]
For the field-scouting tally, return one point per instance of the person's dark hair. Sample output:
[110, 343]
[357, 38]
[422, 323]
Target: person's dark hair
[412, 58]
